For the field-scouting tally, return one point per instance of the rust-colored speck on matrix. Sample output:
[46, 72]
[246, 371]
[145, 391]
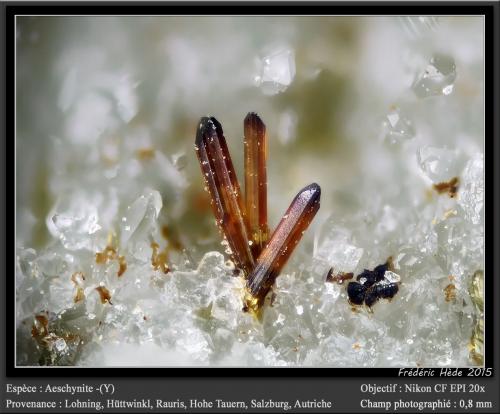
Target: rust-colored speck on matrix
[450, 292]
[79, 295]
[110, 254]
[40, 325]
[104, 294]
[447, 187]
[122, 265]
[159, 260]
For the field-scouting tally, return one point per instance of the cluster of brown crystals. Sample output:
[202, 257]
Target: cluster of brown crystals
[109, 254]
[243, 223]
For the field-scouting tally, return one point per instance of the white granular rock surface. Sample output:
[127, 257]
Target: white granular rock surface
[105, 150]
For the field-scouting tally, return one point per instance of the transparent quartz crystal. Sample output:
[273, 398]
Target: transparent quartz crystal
[73, 220]
[438, 77]
[397, 127]
[471, 198]
[276, 71]
[419, 26]
[392, 277]
[337, 249]
[60, 345]
[140, 216]
[439, 163]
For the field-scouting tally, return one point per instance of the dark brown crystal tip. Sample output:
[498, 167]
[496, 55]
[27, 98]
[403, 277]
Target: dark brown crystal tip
[208, 126]
[254, 123]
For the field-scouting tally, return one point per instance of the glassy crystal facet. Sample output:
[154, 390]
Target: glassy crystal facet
[419, 26]
[222, 184]
[398, 127]
[438, 77]
[256, 181]
[276, 71]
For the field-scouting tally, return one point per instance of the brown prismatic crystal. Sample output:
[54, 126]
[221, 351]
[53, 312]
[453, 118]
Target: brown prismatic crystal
[222, 183]
[256, 181]
[281, 244]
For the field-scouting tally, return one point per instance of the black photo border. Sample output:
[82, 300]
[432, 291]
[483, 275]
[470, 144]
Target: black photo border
[490, 10]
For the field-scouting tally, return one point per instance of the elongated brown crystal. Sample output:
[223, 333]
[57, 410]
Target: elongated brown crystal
[282, 243]
[256, 181]
[222, 184]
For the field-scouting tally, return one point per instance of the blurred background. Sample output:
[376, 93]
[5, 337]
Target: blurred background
[96, 94]
[374, 109]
